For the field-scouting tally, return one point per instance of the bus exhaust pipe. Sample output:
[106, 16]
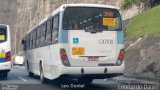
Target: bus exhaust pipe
[82, 70]
[105, 70]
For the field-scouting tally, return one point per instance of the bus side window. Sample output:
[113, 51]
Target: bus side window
[52, 31]
[30, 46]
[27, 42]
[41, 28]
[38, 37]
[35, 37]
[32, 39]
[33, 34]
[24, 43]
[48, 35]
[45, 31]
[55, 29]
[42, 35]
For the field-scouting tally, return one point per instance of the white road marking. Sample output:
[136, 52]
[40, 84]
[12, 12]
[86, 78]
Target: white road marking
[21, 78]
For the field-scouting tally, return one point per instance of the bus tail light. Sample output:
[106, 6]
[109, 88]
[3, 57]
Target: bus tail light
[120, 57]
[64, 57]
[8, 56]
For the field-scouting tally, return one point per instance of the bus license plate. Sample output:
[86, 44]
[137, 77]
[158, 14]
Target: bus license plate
[2, 55]
[93, 58]
[77, 51]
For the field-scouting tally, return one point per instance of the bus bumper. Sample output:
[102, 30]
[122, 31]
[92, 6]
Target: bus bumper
[92, 70]
[5, 66]
[96, 72]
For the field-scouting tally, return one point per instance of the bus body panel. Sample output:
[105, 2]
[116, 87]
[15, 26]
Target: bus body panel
[5, 66]
[35, 56]
[49, 57]
[103, 45]
[5, 47]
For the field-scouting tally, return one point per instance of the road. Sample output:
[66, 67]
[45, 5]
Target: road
[18, 79]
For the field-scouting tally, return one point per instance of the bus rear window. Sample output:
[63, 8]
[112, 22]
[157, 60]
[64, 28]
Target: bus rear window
[82, 18]
[3, 35]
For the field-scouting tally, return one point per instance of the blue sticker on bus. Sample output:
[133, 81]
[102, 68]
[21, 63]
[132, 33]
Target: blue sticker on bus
[75, 40]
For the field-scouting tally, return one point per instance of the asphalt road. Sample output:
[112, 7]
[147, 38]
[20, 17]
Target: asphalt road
[18, 79]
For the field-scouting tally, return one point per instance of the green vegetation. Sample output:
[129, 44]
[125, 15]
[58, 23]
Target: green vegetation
[147, 23]
[128, 3]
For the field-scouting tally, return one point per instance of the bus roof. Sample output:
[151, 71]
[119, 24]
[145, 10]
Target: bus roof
[2, 25]
[71, 5]
[89, 5]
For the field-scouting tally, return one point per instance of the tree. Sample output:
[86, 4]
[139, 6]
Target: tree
[128, 3]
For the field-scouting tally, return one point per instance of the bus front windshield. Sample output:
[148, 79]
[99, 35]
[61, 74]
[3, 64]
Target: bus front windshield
[82, 18]
[2, 35]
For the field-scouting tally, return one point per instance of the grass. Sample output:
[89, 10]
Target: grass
[147, 23]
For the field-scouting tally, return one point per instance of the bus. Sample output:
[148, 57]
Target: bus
[5, 50]
[78, 41]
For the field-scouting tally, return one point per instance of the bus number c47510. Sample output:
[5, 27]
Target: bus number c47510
[105, 41]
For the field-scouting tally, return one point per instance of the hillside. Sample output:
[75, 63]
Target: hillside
[147, 23]
[143, 57]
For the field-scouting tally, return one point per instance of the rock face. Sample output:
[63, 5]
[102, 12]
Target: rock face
[143, 59]
[131, 12]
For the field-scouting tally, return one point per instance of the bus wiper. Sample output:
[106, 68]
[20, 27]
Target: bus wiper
[93, 30]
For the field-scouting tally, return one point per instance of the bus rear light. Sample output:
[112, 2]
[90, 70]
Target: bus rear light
[120, 57]
[8, 56]
[64, 57]
[121, 52]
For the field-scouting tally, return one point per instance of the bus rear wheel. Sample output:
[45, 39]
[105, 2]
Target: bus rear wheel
[85, 80]
[42, 78]
[4, 74]
[30, 74]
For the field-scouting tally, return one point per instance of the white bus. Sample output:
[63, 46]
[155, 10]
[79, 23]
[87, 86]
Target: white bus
[5, 50]
[80, 41]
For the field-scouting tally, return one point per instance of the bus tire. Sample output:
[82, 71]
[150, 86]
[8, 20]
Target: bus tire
[4, 75]
[30, 74]
[42, 78]
[85, 80]
[27, 66]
